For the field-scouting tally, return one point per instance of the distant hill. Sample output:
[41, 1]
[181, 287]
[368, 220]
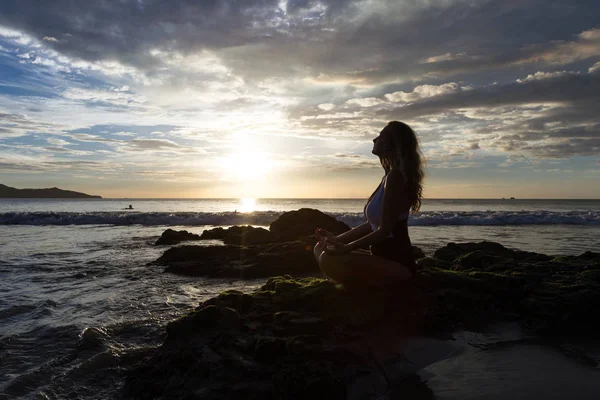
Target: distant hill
[7, 192]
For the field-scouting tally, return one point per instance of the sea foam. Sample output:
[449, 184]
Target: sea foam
[264, 218]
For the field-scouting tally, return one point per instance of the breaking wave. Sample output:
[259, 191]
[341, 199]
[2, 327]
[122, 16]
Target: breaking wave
[264, 218]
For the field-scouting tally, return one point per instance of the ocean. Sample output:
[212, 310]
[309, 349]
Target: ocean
[78, 295]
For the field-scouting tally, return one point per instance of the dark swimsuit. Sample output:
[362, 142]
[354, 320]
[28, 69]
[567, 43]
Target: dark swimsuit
[397, 247]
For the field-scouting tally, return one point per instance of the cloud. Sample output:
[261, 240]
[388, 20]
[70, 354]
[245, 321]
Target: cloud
[547, 115]
[423, 92]
[326, 106]
[153, 144]
[41, 166]
[366, 102]
[355, 166]
[545, 75]
[446, 57]
[574, 89]
[57, 142]
[358, 40]
[86, 137]
[66, 151]
[586, 45]
[19, 167]
[114, 96]
[15, 125]
[473, 78]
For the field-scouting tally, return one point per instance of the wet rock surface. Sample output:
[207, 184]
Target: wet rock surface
[242, 262]
[290, 226]
[293, 338]
[241, 235]
[301, 223]
[170, 237]
[296, 338]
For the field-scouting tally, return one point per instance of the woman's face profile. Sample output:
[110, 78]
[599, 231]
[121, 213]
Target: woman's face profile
[382, 143]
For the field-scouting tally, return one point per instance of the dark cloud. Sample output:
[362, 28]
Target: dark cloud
[8, 166]
[553, 116]
[153, 144]
[355, 39]
[580, 89]
[565, 149]
[19, 125]
[347, 155]
[45, 166]
[127, 30]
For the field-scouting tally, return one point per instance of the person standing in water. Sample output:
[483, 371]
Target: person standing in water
[390, 258]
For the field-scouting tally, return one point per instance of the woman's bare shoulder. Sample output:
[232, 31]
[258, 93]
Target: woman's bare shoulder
[395, 179]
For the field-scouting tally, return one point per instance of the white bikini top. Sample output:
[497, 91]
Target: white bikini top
[373, 209]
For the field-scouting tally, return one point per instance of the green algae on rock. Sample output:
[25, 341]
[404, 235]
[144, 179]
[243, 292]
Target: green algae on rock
[307, 337]
[292, 338]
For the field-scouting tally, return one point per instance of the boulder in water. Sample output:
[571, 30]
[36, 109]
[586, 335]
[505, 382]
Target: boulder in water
[301, 223]
[241, 235]
[170, 237]
[241, 262]
[250, 237]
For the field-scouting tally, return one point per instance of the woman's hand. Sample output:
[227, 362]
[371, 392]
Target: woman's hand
[334, 247]
[321, 233]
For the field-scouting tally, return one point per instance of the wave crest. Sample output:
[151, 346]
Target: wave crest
[264, 218]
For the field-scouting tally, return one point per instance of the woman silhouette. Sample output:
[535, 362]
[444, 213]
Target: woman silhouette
[390, 257]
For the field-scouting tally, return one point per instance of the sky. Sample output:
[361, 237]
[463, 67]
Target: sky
[274, 98]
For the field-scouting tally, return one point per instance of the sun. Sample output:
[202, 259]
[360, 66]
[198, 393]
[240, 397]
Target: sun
[247, 165]
[248, 204]
[247, 162]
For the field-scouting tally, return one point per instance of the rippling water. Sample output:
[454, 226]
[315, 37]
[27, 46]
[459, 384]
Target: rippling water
[78, 302]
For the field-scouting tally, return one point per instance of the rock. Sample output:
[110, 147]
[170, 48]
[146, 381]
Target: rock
[303, 222]
[240, 235]
[427, 262]
[251, 237]
[450, 253]
[215, 233]
[247, 262]
[170, 237]
[417, 253]
[291, 338]
[307, 337]
[475, 260]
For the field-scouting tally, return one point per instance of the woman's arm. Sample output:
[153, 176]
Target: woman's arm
[390, 211]
[354, 233]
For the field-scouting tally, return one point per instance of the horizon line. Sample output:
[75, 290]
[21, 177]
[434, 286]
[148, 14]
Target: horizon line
[335, 198]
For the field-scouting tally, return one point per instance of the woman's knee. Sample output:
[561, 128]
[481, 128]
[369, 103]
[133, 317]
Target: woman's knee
[331, 266]
[318, 250]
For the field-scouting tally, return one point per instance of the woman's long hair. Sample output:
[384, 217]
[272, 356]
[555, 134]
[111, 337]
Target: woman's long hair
[406, 157]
